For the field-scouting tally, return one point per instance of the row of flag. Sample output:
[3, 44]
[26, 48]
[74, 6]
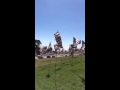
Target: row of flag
[59, 45]
[59, 42]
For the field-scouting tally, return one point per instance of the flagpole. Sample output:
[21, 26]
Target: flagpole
[72, 50]
[42, 66]
[72, 53]
[55, 70]
[61, 60]
[57, 35]
[49, 65]
[48, 54]
[71, 57]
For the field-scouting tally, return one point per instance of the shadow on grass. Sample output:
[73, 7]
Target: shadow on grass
[58, 69]
[63, 63]
[77, 63]
[42, 68]
[67, 64]
[48, 75]
[83, 80]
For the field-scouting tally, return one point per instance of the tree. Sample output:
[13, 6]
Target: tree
[37, 46]
[37, 42]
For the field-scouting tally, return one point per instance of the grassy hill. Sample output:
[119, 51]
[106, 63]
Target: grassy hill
[68, 75]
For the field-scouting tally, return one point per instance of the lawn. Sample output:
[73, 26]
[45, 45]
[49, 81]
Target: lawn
[68, 75]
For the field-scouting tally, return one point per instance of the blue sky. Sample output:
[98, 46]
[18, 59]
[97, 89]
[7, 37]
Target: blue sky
[64, 16]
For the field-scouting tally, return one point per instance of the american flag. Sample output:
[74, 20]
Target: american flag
[62, 51]
[58, 39]
[56, 46]
[83, 45]
[50, 44]
[76, 41]
[49, 50]
[57, 34]
[44, 49]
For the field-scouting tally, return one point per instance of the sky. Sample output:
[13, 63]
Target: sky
[65, 16]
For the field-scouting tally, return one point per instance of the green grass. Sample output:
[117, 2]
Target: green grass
[68, 77]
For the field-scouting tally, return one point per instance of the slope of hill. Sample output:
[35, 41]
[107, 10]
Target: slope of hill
[68, 75]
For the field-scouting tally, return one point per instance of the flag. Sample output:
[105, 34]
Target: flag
[83, 45]
[57, 34]
[62, 51]
[49, 48]
[56, 46]
[58, 39]
[83, 42]
[76, 41]
[50, 44]
[44, 49]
